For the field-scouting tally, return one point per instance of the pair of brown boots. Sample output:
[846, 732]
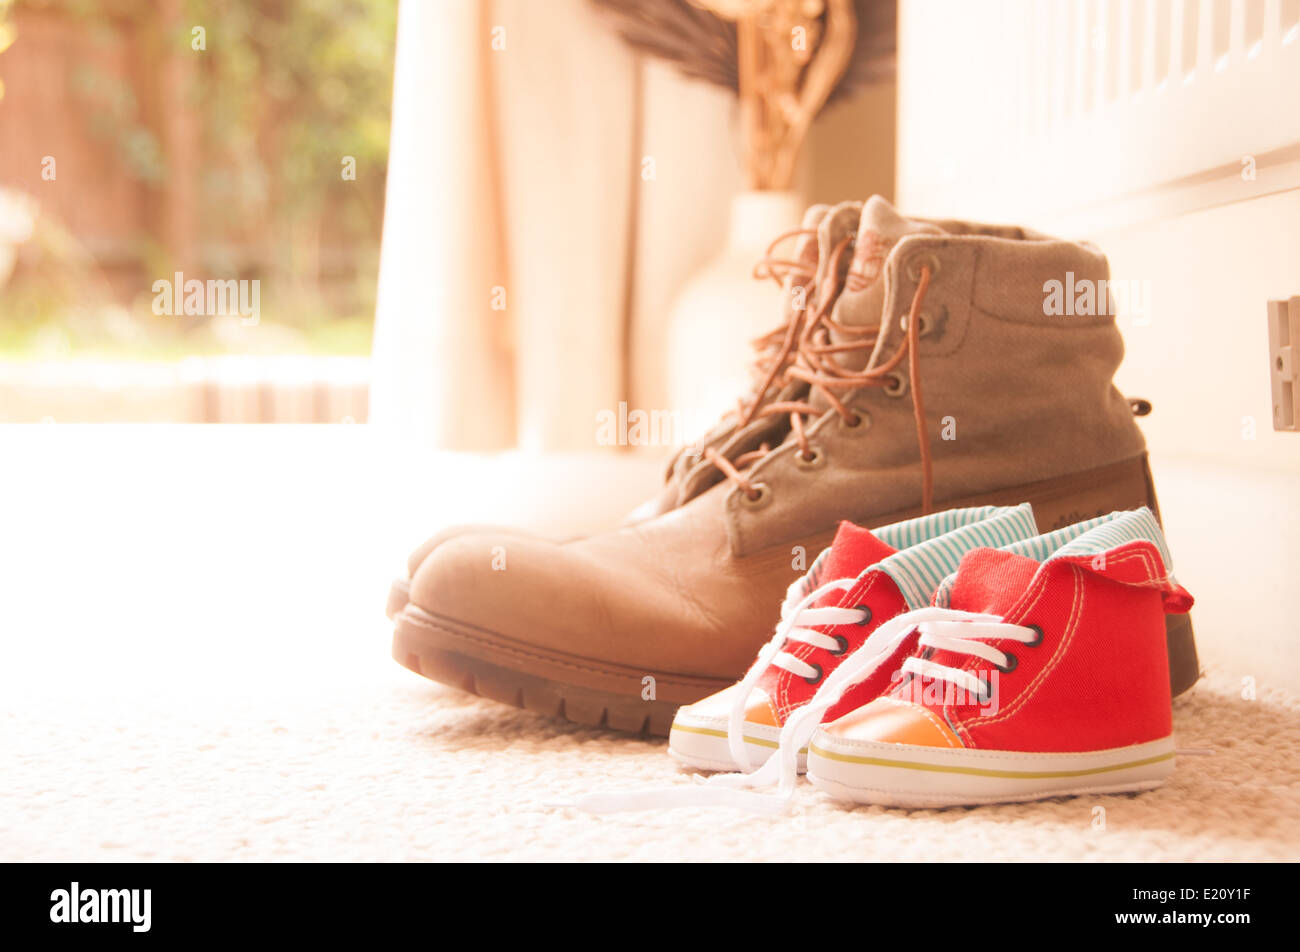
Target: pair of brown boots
[921, 365]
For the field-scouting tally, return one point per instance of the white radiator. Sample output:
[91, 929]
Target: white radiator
[1168, 131]
[1058, 110]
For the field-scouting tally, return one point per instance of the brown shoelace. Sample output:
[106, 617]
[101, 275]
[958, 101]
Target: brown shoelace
[814, 367]
[792, 340]
[778, 347]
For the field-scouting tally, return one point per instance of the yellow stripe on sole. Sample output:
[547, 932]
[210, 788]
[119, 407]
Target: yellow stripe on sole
[710, 732]
[982, 772]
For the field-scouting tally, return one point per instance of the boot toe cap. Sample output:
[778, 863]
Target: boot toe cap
[440, 538]
[528, 593]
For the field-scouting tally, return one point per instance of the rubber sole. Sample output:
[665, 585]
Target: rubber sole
[901, 775]
[600, 693]
[702, 743]
[694, 747]
[444, 651]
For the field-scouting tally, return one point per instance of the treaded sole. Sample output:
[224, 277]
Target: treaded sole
[416, 647]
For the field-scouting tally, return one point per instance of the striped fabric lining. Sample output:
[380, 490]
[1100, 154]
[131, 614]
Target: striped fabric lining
[1090, 537]
[921, 568]
[905, 534]
[1132, 526]
[910, 532]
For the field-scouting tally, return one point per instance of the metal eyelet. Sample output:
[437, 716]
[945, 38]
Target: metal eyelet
[843, 645]
[816, 460]
[862, 423]
[921, 319]
[818, 676]
[1037, 641]
[898, 387]
[913, 268]
[866, 615]
[763, 496]
[985, 692]
[1010, 666]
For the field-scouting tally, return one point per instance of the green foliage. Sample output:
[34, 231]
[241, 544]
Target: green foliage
[280, 93]
[287, 90]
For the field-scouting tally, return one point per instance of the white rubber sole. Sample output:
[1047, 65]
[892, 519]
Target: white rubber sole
[901, 775]
[702, 743]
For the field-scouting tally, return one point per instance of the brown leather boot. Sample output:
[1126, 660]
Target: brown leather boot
[804, 283]
[942, 377]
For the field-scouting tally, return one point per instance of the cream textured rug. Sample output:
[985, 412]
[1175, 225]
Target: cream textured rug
[194, 666]
[390, 768]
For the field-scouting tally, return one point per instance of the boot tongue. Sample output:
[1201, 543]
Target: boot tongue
[991, 581]
[861, 303]
[806, 252]
[839, 223]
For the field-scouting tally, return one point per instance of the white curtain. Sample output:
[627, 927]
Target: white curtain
[530, 250]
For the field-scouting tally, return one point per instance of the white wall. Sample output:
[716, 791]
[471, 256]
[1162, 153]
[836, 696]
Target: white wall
[1169, 133]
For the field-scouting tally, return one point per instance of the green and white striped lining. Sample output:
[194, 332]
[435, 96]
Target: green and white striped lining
[1090, 537]
[910, 532]
[922, 567]
[1130, 526]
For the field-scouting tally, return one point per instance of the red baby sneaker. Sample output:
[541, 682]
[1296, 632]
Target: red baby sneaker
[1040, 671]
[860, 582]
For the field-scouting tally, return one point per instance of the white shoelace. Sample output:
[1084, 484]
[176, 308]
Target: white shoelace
[941, 628]
[967, 638]
[794, 627]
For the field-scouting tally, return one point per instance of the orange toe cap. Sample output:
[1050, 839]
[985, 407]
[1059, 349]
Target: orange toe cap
[888, 720]
[758, 707]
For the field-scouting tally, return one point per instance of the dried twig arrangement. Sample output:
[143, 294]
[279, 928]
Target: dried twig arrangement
[786, 59]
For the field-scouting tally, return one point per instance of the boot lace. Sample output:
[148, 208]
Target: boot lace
[778, 347]
[810, 359]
